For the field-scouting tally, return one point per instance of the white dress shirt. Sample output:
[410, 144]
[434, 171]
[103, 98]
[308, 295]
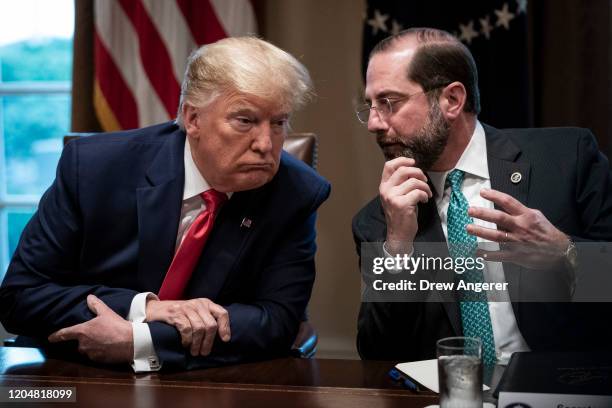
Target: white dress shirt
[473, 162]
[145, 358]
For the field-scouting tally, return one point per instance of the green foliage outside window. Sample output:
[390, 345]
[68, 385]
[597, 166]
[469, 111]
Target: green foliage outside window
[44, 60]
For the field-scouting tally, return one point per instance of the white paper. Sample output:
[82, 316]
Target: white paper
[484, 405]
[425, 373]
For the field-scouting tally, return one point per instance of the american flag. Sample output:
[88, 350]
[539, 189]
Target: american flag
[141, 48]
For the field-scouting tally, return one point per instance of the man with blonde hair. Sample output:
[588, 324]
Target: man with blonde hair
[186, 244]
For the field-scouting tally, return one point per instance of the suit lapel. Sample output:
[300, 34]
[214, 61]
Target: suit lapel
[159, 208]
[502, 155]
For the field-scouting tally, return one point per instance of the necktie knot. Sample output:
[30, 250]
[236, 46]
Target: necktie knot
[454, 179]
[213, 199]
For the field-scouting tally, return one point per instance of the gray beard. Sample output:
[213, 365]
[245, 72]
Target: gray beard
[427, 144]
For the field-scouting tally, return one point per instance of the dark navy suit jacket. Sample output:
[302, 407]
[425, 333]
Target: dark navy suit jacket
[108, 226]
[563, 175]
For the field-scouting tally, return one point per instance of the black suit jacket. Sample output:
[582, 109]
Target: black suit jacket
[108, 226]
[563, 175]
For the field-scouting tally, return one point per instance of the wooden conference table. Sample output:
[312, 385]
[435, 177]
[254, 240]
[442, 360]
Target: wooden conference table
[287, 382]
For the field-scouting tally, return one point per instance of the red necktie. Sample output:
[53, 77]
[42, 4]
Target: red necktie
[190, 249]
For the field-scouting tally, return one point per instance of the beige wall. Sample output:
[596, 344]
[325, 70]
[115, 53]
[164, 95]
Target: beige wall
[326, 37]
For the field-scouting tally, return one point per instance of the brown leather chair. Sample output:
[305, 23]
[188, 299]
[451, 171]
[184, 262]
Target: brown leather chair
[304, 147]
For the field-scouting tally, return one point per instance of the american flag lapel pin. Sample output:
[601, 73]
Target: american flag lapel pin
[246, 223]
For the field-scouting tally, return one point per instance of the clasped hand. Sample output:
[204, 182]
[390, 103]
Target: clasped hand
[108, 338]
[197, 320]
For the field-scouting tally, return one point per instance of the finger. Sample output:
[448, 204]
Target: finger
[198, 328]
[412, 184]
[415, 196]
[405, 173]
[489, 234]
[223, 321]
[392, 165]
[407, 203]
[505, 201]
[497, 217]
[403, 202]
[211, 332]
[65, 334]
[97, 306]
[183, 326]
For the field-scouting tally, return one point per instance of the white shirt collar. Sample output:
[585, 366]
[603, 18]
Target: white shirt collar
[195, 184]
[473, 160]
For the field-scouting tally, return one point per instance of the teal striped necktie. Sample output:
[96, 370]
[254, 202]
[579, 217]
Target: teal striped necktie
[475, 317]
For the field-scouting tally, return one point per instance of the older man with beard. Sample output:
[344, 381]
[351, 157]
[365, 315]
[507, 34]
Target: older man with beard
[449, 178]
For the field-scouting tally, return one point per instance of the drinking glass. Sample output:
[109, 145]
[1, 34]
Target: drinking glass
[460, 372]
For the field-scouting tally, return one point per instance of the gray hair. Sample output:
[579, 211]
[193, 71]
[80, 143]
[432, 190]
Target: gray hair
[246, 65]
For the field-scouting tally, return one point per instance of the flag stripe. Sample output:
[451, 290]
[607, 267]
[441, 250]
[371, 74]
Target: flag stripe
[202, 21]
[119, 37]
[105, 114]
[114, 90]
[154, 55]
[236, 16]
[173, 29]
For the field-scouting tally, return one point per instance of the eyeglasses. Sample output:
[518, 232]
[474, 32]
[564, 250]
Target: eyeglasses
[384, 107]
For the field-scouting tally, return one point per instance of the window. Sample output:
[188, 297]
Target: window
[35, 75]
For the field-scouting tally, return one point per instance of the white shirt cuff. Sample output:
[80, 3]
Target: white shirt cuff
[138, 308]
[394, 269]
[145, 358]
[388, 255]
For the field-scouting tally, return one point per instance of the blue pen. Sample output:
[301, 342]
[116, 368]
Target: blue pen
[405, 382]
